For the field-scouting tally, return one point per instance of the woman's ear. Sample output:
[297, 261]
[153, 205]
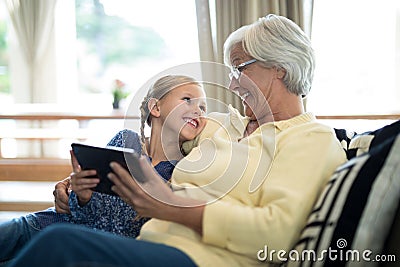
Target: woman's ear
[153, 107]
[280, 73]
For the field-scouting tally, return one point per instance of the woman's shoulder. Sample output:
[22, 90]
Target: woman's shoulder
[232, 114]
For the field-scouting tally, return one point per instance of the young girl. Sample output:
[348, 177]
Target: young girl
[174, 108]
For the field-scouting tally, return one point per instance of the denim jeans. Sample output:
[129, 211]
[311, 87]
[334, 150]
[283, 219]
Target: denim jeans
[16, 233]
[67, 245]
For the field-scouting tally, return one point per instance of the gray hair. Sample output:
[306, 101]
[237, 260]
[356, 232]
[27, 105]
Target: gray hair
[278, 42]
[158, 90]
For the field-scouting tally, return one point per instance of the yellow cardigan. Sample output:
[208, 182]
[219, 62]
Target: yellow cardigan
[260, 189]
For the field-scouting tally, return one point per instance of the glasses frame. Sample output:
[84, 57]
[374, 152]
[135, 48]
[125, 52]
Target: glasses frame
[237, 70]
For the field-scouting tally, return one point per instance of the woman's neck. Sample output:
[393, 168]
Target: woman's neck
[283, 107]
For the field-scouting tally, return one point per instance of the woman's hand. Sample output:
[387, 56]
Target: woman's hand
[148, 198]
[154, 198]
[81, 185]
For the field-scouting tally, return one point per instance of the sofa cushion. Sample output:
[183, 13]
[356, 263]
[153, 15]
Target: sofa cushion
[355, 211]
[392, 243]
[344, 136]
[362, 143]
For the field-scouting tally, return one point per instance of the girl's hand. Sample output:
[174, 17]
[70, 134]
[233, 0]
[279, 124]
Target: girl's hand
[81, 185]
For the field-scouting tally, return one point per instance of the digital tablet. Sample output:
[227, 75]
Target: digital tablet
[99, 158]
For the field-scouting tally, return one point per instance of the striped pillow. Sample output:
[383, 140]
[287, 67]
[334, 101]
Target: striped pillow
[355, 211]
[362, 143]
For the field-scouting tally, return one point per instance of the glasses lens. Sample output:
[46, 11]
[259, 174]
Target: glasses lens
[235, 73]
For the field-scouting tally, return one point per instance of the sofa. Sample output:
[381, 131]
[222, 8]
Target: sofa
[356, 220]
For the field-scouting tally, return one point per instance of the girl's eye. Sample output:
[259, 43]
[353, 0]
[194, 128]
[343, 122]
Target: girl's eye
[187, 99]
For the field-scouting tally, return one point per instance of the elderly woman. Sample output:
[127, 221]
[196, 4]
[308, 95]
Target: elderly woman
[250, 184]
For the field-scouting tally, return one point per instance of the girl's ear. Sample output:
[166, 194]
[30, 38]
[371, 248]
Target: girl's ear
[153, 107]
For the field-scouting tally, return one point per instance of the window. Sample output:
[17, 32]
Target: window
[110, 39]
[357, 45]
[4, 54]
[131, 41]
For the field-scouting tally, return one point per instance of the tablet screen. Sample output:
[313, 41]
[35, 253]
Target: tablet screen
[99, 158]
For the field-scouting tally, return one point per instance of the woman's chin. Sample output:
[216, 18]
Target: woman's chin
[249, 113]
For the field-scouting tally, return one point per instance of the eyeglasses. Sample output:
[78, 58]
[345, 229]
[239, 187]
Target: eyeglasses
[237, 70]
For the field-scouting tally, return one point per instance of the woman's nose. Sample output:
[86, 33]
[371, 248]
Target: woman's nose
[233, 84]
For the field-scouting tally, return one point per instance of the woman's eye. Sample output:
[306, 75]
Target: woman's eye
[187, 99]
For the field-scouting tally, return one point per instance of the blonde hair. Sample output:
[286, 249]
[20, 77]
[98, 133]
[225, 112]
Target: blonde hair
[158, 90]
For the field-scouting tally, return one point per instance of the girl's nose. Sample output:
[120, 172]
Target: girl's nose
[197, 110]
